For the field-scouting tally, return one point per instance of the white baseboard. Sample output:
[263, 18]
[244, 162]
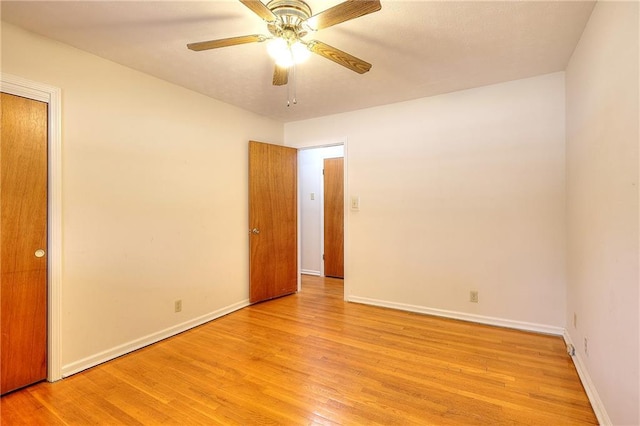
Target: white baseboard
[499, 322]
[99, 358]
[589, 387]
[310, 272]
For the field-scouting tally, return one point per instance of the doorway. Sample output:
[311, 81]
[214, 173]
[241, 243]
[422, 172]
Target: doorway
[311, 196]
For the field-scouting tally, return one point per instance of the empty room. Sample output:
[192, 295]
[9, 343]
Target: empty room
[170, 239]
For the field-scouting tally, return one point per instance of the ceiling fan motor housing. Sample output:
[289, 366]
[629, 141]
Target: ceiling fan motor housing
[291, 14]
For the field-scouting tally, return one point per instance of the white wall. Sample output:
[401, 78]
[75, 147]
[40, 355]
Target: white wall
[457, 192]
[154, 198]
[602, 206]
[310, 165]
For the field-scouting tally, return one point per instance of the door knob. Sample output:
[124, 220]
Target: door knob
[39, 253]
[255, 230]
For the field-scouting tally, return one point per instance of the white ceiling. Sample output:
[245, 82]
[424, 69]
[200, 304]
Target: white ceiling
[417, 48]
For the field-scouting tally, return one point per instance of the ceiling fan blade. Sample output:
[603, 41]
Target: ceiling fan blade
[280, 76]
[339, 57]
[342, 12]
[224, 42]
[260, 9]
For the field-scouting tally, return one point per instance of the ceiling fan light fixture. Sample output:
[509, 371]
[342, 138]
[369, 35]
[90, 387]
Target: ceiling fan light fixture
[300, 52]
[286, 55]
[278, 49]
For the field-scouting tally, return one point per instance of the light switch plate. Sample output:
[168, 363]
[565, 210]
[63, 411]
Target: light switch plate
[355, 202]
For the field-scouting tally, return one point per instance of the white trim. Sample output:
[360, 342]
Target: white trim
[589, 387]
[321, 221]
[346, 284]
[109, 354]
[481, 319]
[310, 272]
[52, 96]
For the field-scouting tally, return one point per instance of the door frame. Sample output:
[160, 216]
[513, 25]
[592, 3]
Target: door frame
[316, 145]
[51, 95]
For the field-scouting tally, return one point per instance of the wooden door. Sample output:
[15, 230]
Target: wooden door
[334, 217]
[273, 221]
[23, 197]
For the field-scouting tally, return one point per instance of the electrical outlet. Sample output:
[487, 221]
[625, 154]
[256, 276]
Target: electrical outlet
[473, 296]
[586, 347]
[178, 306]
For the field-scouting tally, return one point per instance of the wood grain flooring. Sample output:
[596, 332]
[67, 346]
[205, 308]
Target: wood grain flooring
[311, 358]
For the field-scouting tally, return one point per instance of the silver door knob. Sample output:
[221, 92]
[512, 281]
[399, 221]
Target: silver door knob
[255, 230]
[39, 253]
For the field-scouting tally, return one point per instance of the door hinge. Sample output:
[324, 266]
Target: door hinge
[322, 172]
[323, 256]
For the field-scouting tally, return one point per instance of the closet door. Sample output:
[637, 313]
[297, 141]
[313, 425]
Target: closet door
[23, 249]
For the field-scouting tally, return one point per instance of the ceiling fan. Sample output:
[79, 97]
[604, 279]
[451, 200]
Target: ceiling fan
[289, 21]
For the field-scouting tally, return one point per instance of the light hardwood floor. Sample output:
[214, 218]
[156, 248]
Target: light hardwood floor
[311, 358]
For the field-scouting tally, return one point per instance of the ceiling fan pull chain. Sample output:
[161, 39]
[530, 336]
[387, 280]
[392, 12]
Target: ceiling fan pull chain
[291, 87]
[293, 68]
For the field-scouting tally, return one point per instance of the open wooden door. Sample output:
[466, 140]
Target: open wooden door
[23, 157]
[273, 221]
[334, 217]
